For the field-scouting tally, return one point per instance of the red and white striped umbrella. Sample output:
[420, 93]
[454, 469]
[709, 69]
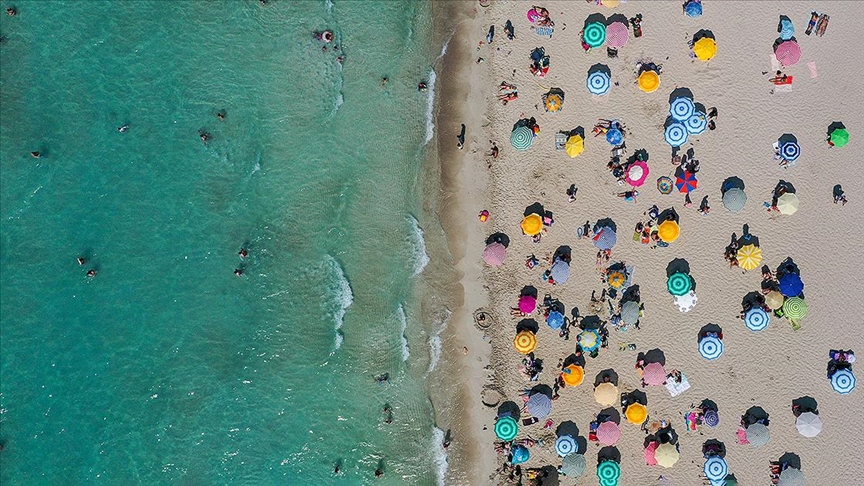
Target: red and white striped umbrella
[654, 374]
[617, 34]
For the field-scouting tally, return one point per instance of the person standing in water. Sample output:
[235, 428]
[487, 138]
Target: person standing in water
[461, 138]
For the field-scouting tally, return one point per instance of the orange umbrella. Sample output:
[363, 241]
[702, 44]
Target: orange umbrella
[573, 375]
[532, 224]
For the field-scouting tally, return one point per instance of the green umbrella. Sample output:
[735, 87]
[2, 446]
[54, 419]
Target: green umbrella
[594, 34]
[839, 137]
[608, 472]
[522, 138]
[795, 308]
[506, 428]
[679, 283]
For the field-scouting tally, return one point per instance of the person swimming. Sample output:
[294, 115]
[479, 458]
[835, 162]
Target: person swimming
[243, 253]
[91, 273]
[204, 136]
[36, 154]
[123, 128]
[238, 272]
[81, 261]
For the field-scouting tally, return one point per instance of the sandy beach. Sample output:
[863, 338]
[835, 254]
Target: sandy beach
[767, 369]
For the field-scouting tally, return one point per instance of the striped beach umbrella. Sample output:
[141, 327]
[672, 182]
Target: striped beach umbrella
[758, 435]
[654, 374]
[617, 34]
[843, 381]
[525, 342]
[594, 34]
[682, 108]
[790, 151]
[614, 137]
[679, 283]
[539, 405]
[566, 445]
[710, 348]
[686, 182]
[795, 308]
[716, 468]
[506, 428]
[808, 424]
[756, 319]
[608, 471]
[788, 53]
[697, 123]
[522, 138]
[598, 82]
[791, 285]
[676, 134]
[710, 418]
[664, 184]
[636, 174]
[573, 465]
[788, 203]
[734, 199]
[693, 9]
[588, 340]
[749, 257]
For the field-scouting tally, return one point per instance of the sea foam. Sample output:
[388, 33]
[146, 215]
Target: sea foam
[419, 257]
[435, 340]
[340, 290]
[430, 107]
[439, 457]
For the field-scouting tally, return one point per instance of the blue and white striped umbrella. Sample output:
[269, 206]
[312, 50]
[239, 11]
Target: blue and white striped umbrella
[710, 348]
[790, 151]
[566, 445]
[756, 319]
[676, 134]
[716, 468]
[682, 108]
[598, 83]
[697, 123]
[522, 138]
[843, 381]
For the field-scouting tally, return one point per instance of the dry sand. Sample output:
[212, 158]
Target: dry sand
[768, 369]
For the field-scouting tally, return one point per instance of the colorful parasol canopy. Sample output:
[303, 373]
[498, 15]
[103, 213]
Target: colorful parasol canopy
[734, 199]
[506, 428]
[573, 375]
[539, 405]
[676, 134]
[716, 468]
[494, 254]
[664, 184]
[588, 340]
[560, 273]
[686, 182]
[808, 424]
[648, 81]
[710, 348]
[525, 342]
[788, 203]
[705, 49]
[791, 285]
[616, 279]
[609, 472]
[756, 319]
[573, 465]
[788, 53]
[555, 320]
[606, 393]
[843, 381]
[787, 30]
[553, 102]
[795, 308]
[520, 454]
[758, 435]
[594, 34]
[774, 300]
[614, 137]
[682, 108]
[679, 283]
[598, 82]
[617, 34]
[575, 145]
[654, 374]
[636, 174]
[693, 9]
[839, 137]
[605, 239]
[666, 455]
[532, 224]
[790, 150]
[636, 413]
[697, 123]
[668, 231]
[749, 257]
[711, 419]
[527, 303]
[566, 445]
[630, 312]
[521, 138]
[608, 433]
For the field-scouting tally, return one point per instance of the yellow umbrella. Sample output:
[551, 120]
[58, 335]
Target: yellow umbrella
[574, 146]
[705, 48]
[525, 342]
[774, 300]
[611, 3]
[532, 224]
[616, 279]
[636, 413]
[787, 203]
[649, 81]
[553, 102]
[666, 455]
[749, 257]
[606, 394]
[573, 375]
[668, 231]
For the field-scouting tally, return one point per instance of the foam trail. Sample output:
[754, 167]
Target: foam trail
[419, 257]
[430, 107]
[329, 4]
[439, 457]
[403, 338]
[340, 290]
[435, 342]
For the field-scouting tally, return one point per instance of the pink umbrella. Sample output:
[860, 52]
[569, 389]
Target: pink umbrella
[649, 454]
[742, 436]
[617, 34]
[788, 53]
[532, 15]
[637, 172]
[494, 254]
[654, 374]
[608, 433]
[527, 304]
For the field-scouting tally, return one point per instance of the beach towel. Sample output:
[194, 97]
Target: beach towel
[545, 31]
[812, 66]
[676, 388]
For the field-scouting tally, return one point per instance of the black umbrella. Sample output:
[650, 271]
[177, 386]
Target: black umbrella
[681, 92]
[668, 215]
[563, 252]
[732, 182]
[548, 476]
[608, 373]
[667, 434]
[701, 34]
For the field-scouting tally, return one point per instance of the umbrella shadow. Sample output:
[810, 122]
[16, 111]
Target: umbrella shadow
[780, 23]
[612, 414]
[557, 306]
[548, 475]
[606, 376]
[806, 404]
[794, 460]
[563, 252]
[595, 17]
[577, 131]
[498, 238]
[524, 122]
[567, 427]
[707, 404]
[731, 182]
[600, 68]
[617, 18]
[529, 325]
[509, 409]
[635, 396]
[606, 223]
[835, 126]
[753, 299]
[787, 138]
[670, 121]
[609, 453]
[709, 328]
[581, 444]
[703, 33]
[754, 414]
[529, 290]
[681, 92]
[638, 154]
[574, 360]
[677, 265]
[781, 40]
[667, 435]
[783, 187]
[699, 108]
[590, 322]
[668, 215]
[541, 389]
[535, 208]
[713, 447]
[653, 356]
[630, 295]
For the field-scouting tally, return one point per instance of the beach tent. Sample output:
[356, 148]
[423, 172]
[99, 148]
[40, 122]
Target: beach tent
[710, 347]
[682, 108]
[843, 381]
[575, 145]
[566, 445]
[666, 455]
[839, 137]
[539, 405]
[520, 454]
[756, 319]
[808, 424]
[598, 82]
[609, 472]
[506, 428]
[749, 257]
[525, 342]
[649, 81]
[636, 173]
[676, 134]
[788, 53]
[734, 199]
[668, 231]
[715, 468]
[606, 393]
[617, 34]
[679, 283]
[573, 375]
[532, 224]
[636, 413]
[608, 433]
[594, 34]
[705, 48]
[757, 435]
[697, 123]
[573, 465]
[521, 138]
[788, 203]
[654, 374]
[494, 254]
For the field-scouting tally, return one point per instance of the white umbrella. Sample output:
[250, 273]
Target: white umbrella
[809, 424]
[791, 477]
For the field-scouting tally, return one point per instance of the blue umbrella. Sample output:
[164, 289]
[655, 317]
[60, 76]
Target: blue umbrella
[843, 381]
[716, 468]
[790, 151]
[791, 285]
[756, 319]
[614, 137]
[598, 83]
[682, 108]
[787, 30]
[566, 445]
[560, 271]
[676, 134]
[693, 9]
[555, 320]
[710, 348]
[697, 123]
[711, 418]
[605, 239]
[520, 454]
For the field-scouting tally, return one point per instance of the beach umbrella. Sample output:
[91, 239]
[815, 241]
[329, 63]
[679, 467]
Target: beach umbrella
[525, 342]
[527, 303]
[636, 174]
[839, 137]
[668, 231]
[617, 34]
[575, 145]
[686, 302]
[715, 468]
[756, 319]
[749, 257]
[705, 48]
[605, 239]
[649, 81]
[539, 405]
[636, 413]
[494, 254]
[788, 53]
[506, 428]
[787, 30]
[608, 433]
[598, 82]
[693, 9]
[614, 136]
[664, 185]
[560, 271]
[522, 138]
[555, 320]
[553, 102]
[774, 300]
[788, 203]
[790, 151]
[532, 224]
[791, 285]
[594, 34]
[606, 393]
[650, 460]
[808, 424]
[589, 340]
[611, 3]
[573, 375]
[679, 283]
[676, 134]
[616, 279]
[654, 374]
[795, 308]
[630, 312]
[666, 455]
[757, 435]
[682, 108]
[566, 445]
[843, 381]
[520, 454]
[791, 477]
[710, 348]
[711, 419]
[697, 123]
[608, 471]
[686, 182]
[573, 465]
[734, 199]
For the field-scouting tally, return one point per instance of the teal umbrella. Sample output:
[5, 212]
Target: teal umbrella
[679, 283]
[522, 138]
[506, 428]
[608, 472]
[594, 34]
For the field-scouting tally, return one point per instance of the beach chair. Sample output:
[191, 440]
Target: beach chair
[561, 140]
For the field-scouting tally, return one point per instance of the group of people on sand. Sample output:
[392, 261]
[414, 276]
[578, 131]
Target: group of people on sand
[730, 254]
[839, 360]
[645, 231]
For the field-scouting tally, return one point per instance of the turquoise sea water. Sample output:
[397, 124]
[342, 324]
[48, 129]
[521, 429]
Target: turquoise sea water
[166, 368]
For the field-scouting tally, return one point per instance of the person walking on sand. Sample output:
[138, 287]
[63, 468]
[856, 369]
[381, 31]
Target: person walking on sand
[461, 138]
[839, 195]
[687, 201]
[703, 206]
[571, 193]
